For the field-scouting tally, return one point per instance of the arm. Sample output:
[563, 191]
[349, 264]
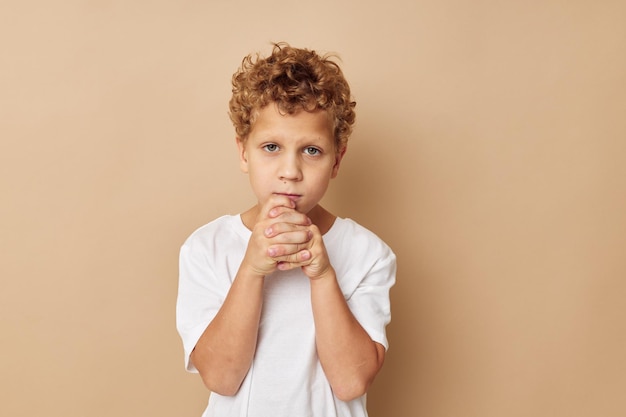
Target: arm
[224, 352]
[348, 355]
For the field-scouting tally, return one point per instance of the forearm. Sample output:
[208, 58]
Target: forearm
[225, 350]
[348, 355]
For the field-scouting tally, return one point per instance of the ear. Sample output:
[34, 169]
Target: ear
[243, 155]
[338, 159]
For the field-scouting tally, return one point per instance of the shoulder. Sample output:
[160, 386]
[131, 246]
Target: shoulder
[224, 229]
[347, 233]
[360, 258]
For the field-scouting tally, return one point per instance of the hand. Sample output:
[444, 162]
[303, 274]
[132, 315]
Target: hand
[280, 236]
[314, 259]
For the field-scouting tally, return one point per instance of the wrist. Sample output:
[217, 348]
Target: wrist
[327, 275]
[248, 272]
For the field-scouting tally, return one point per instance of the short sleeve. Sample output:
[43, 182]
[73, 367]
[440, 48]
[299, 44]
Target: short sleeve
[370, 302]
[200, 295]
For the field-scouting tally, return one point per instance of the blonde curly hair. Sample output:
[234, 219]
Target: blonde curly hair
[295, 79]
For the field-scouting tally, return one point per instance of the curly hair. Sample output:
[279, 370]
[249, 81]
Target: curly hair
[295, 79]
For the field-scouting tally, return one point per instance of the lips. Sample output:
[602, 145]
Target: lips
[292, 197]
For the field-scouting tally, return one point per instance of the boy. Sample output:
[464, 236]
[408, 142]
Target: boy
[282, 309]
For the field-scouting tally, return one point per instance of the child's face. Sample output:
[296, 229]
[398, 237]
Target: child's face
[293, 155]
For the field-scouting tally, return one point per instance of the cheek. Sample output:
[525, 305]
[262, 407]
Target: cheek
[260, 177]
[322, 180]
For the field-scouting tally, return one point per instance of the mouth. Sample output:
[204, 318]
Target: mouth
[292, 197]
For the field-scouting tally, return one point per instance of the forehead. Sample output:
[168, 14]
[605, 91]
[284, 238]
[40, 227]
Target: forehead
[271, 122]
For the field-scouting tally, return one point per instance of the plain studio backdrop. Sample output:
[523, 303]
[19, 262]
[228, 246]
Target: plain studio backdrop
[489, 152]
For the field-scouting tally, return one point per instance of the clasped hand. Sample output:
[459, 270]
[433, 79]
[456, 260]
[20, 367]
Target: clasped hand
[284, 239]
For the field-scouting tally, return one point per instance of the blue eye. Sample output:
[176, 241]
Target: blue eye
[271, 147]
[312, 151]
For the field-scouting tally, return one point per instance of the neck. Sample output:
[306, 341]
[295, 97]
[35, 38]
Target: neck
[322, 218]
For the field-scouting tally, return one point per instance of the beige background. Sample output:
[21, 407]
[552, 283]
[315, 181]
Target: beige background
[489, 153]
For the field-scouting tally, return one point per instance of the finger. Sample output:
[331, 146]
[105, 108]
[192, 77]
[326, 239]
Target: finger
[290, 212]
[296, 260]
[293, 233]
[290, 216]
[285, 252]
[276, 202]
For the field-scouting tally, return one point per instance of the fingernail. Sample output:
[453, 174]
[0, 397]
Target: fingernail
[268, 231]
[305, 255]
[271, 252]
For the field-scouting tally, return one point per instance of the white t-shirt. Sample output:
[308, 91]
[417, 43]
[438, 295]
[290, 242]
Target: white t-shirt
[286, 378]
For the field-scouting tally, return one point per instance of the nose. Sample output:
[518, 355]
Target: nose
[290, 169]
